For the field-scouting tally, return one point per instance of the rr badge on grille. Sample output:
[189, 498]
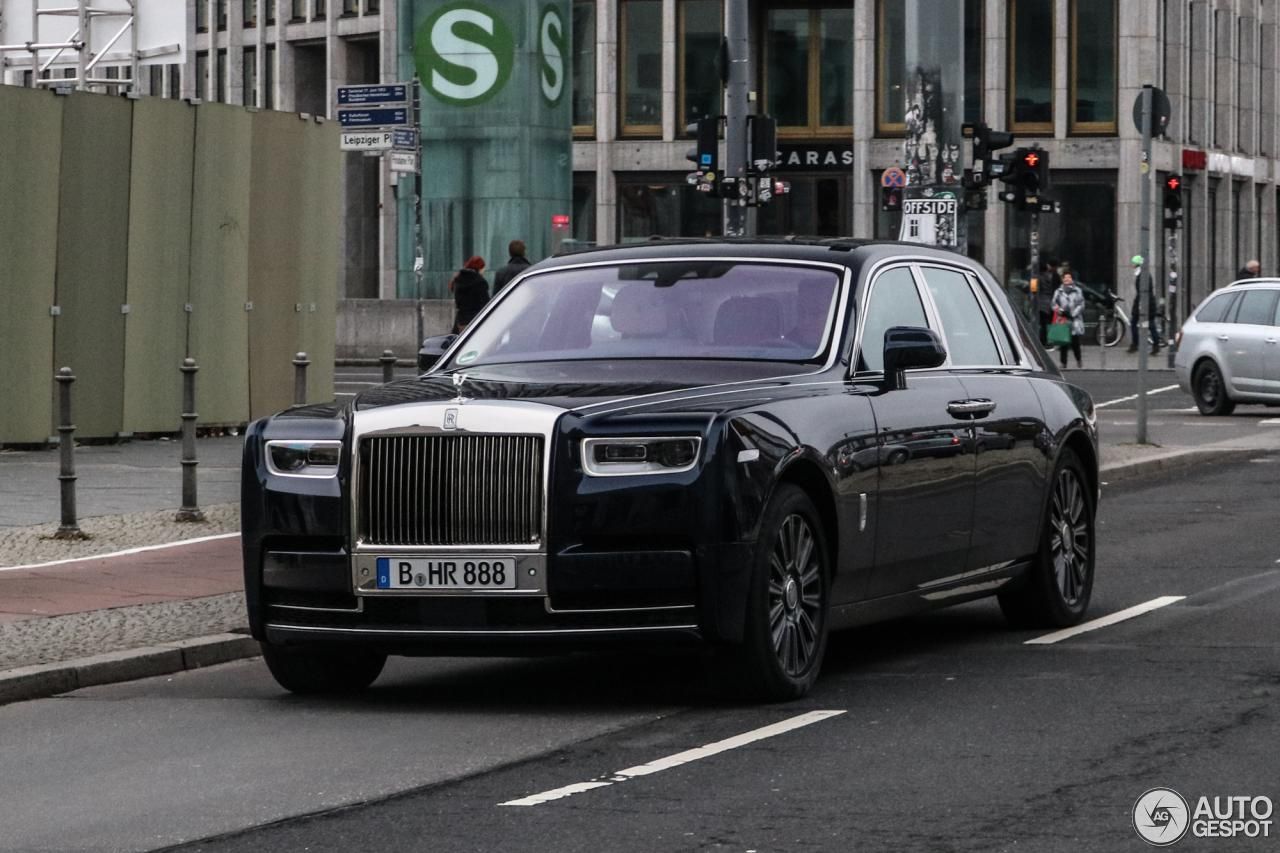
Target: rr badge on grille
[450, 418]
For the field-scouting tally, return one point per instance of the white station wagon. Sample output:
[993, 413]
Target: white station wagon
[1229, 351]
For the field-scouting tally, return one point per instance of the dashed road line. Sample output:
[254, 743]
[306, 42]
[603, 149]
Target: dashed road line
[677, 759]
[1105, 621]
[1134, 396]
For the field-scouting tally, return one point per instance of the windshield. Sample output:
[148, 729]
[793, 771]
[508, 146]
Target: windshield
[680, 310]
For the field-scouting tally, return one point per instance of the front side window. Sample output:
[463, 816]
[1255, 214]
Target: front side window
[1093, 66]
[1257, 307]
[809, 70]
[894, 302]
[968, 337]
[641, 68]
[1031, 65]
[697, 309]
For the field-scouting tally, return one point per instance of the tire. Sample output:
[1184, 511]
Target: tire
[323, 670]
[786, 620]
[1055, 592]
[1210, 390]
[1111, 330]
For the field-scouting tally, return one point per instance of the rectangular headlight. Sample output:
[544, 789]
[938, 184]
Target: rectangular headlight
[304, 458]
[620, 457]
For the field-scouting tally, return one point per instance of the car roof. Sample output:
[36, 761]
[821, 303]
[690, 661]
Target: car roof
[846, 251]
[1243, 283]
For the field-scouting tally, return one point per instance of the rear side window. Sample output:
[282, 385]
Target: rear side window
[1257, 307]
[894, 302]
[1216, 308]
[964, 325]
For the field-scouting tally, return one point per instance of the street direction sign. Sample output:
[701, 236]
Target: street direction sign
[367, 96]
[375, 117]
[368, 140]
[403, 161]
[405, 138]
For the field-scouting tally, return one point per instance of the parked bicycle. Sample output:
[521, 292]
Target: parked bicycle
[1113, 317]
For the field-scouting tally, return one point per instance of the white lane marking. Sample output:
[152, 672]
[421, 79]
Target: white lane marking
[124, 553]
[1134, 396]
[679, 758]
[1104, 621]
[1270, 422]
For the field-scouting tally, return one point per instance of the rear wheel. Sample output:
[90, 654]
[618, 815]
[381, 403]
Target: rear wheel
[1211, 390]
[322, 670]
[1111, 329]
[786, 627]
[1055, 592]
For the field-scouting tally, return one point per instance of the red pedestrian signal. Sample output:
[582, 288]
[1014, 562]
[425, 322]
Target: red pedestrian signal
[1032, 159]
[1173, 184]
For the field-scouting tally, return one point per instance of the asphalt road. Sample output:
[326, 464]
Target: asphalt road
[951, 733]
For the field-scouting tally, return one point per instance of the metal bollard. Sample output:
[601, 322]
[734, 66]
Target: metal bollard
[300, 362]
[190, 510]
[69, 529]
[388, 360]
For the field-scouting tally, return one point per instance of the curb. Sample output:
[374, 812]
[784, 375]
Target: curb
[49, 679]
[1178, 459]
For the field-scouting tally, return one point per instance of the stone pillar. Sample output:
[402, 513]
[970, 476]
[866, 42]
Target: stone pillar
[1137, 47]
[864, 190]
[995, 109]
[606, 119]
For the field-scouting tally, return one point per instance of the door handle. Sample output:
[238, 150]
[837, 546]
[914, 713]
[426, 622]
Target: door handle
[971, 409]
[1224, 337]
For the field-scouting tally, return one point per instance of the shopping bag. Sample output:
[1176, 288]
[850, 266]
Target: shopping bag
[1059, 333]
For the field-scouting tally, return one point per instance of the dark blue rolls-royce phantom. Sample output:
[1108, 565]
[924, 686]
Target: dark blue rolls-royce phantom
[747, 444]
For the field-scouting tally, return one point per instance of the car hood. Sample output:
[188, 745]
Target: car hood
[593, 387]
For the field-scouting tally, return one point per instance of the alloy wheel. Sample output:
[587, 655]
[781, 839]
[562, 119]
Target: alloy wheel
[795, 595]
[1069, 541]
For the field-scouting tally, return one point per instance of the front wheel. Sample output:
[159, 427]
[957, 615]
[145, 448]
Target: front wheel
[786, 627]
[1055, 591]
[1111, 329]
[322, 670]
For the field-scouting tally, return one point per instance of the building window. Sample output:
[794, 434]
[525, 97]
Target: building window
[318, 10]
[297, 10]
[584, 208]
[175, 81]
[271, 12]
[808, 70]
[222, 15]
[371, 8]
[350, 8]
[221, 72]
[202, 16]
[700, 27]
[640, 56]
[202, 75]
[249, 10]
[584, 68]
[891, 62]
[249, 68]
[1093, 66]
[1031, 65]
[665, 205]
[269, 79]
[155, 81]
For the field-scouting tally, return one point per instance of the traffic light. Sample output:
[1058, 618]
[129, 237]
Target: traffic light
[985, 141]
[764, 143]
[1026, 176]
[1173, 202]
[890, 198]
[705, 154]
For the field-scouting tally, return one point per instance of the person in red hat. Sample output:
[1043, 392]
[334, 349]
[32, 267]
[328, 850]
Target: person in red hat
[470, 292]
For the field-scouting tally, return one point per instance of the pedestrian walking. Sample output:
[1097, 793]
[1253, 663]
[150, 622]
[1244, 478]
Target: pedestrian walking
[1138, 273]
[1251, 269]
[1068, 309]
[1046, 287]
[470, 292]
[516, 264]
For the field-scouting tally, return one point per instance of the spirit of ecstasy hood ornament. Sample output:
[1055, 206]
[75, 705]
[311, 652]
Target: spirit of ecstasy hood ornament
[458, 379]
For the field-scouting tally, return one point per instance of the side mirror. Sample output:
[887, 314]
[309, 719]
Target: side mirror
[432, 349]
[910, 348]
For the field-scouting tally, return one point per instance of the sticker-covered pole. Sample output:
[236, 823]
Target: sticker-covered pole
[735, 110]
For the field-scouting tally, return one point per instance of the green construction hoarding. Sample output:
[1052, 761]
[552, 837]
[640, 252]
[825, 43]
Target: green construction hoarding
[496, 131]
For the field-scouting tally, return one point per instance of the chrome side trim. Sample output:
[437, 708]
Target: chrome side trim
[359, 608]
[662, 608]
[432, 632]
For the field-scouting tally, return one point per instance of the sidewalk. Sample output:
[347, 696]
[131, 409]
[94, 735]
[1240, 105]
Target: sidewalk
[70, 616]
[1113, 358]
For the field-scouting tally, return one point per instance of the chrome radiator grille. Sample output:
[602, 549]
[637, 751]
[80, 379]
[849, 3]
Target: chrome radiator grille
[451, 490]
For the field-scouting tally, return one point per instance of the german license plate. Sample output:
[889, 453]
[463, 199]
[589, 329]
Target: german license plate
[446, 573]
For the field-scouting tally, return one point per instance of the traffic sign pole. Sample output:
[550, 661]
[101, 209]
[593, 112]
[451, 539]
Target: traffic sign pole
[1144, 249]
